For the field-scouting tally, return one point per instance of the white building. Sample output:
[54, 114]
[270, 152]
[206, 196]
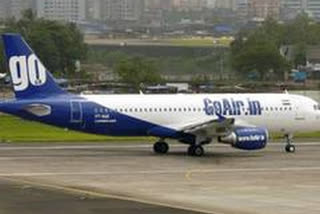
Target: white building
[294, 7]
[62, 10]
[211, 3]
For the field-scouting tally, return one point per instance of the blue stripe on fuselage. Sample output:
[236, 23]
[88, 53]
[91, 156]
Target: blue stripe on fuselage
[95, 118]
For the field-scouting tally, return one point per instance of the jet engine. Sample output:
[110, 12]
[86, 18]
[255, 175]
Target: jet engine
[247, 138]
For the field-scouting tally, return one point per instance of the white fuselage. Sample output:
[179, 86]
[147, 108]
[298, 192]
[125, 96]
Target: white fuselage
[276, 112]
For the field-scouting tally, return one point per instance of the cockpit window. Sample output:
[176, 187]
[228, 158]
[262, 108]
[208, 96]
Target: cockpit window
[316, 107]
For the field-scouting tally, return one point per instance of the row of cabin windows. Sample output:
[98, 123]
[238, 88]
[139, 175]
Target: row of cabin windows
[277, 109]
[105, 110]
[316, 107]
[159, 110]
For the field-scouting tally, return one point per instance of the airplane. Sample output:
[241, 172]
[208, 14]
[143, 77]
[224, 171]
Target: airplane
[243, 121]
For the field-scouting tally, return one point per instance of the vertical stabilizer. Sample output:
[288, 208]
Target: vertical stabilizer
[30, 79]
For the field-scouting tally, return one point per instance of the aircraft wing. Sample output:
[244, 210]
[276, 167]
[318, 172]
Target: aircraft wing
[220, 126]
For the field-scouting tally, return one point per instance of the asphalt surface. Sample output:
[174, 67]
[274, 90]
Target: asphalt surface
[18, 198]
[129, 178]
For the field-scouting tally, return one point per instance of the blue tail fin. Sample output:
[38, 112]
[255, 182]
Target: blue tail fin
[29, 77]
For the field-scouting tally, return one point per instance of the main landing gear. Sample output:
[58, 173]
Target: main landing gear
[290, 148]
[161, 147]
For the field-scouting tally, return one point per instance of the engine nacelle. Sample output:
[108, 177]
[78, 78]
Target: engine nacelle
[247, 138]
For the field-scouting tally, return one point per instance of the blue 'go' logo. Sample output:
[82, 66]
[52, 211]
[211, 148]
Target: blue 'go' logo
[25, 71]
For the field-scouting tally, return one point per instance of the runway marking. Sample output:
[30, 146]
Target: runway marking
[132, 146]
[188, 175]
[186, 172]
[76, 191]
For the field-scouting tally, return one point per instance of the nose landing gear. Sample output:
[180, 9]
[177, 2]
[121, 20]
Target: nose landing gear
[290, 148]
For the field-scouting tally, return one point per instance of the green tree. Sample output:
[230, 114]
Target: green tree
[136, 71]
[59, 45]
[300, 51]
[261, 56]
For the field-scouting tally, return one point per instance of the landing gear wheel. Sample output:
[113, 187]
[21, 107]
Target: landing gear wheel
[161, 148]
[196, 151]
[290, 148]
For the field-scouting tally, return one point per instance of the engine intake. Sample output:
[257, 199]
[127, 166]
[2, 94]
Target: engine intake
[247, 138]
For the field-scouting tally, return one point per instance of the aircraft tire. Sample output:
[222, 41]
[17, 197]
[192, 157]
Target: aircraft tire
[290, 148]
[196, 151]
[161, 148]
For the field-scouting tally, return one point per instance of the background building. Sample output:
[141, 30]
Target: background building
[3, 9]
[189, 5]
[243, 8]
[121, 10]
[313, 7]
[158, 4]
[62, 10]
[14, 8]
[291, 8]
[211, 4]
[226, 4]
[265, 8]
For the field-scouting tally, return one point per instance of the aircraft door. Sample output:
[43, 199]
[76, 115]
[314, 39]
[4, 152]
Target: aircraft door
[76, 112]
[299, 111]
